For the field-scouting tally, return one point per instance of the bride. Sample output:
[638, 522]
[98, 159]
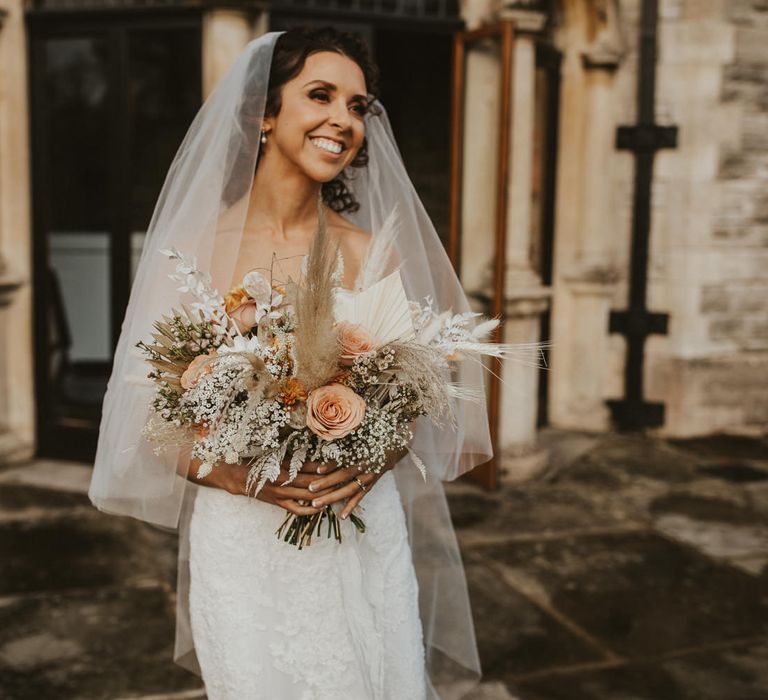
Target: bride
[294, 132]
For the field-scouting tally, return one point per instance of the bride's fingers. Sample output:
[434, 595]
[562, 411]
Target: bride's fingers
[290, 505]
[338, 476]
[352, 503]
[296, 492]
[311, 467]
[301, 480]
[345, 491]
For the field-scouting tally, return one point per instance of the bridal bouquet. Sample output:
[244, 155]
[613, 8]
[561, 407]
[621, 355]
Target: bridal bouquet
[273, 374]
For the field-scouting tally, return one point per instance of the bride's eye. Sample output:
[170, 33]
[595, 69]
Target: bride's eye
[321, 94]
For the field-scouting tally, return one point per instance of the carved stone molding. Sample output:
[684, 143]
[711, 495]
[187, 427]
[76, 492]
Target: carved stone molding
[607, 46]
[526, 303]
[529, 17]
[593, 278]
[8, 285]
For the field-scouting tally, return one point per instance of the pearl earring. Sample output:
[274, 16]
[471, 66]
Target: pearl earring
[263, 136]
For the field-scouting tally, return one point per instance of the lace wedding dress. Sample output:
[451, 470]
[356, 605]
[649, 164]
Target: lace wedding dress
[332, 621]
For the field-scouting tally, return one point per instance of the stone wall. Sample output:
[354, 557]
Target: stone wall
[710, 236]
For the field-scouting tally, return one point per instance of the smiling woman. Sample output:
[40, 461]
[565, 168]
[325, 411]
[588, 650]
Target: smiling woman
[291, 150]
[313, 130]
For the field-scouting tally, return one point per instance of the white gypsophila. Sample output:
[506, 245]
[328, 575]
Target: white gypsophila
[215, 391]
[266, 421]
[240, 437]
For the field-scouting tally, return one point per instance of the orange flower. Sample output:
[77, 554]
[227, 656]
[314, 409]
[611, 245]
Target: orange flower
[293, 391]
[234, 298]
[333, 411]
[341, 378]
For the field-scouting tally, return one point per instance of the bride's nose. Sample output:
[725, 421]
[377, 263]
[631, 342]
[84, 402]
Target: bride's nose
[339, 114]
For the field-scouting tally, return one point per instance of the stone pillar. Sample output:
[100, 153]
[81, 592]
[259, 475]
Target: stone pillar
[226, 31]
[480, 145]
[17, 408]
[585, 270]
[525, 298]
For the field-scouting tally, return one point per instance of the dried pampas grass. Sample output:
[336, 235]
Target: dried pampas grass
[423, 368]
[316, 348]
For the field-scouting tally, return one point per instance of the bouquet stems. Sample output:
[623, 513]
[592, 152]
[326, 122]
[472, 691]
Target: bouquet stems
[300, 528]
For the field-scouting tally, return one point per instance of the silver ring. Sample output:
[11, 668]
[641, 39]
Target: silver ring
[360, 484]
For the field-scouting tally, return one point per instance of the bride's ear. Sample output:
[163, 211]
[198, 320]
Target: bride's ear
[267, 125]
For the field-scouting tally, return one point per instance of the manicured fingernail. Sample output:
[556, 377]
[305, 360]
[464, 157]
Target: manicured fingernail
[317, 503]
[312, 486]
[344, 516]
[321, 470]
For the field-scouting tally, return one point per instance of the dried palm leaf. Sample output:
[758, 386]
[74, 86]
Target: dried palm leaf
[379, 254]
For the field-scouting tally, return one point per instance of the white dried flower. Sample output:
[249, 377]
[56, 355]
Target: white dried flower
[258, 287]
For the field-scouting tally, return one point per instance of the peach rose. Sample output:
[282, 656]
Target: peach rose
[245, 316]
[334, 411]
[354, 340]
[197, 368]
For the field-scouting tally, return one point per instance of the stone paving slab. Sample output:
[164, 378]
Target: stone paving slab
[94, 643]
[514, 635]
[527, 511]
[57, 474]
[638, 593]
[16, 498]
[738, 672]
[634, 568]
[88, 550]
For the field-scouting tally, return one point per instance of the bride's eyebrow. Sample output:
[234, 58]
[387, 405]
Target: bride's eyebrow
[332, 87]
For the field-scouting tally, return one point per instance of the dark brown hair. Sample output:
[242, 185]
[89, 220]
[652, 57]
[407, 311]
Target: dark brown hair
[290, 53]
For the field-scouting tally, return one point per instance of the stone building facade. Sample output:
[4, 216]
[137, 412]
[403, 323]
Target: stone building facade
[674, 341]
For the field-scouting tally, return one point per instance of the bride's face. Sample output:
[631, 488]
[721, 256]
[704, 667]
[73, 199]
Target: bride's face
[320, 125]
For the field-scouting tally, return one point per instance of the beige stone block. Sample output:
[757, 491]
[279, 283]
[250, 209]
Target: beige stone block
[704, 9]
[679, 83]
[697, 41]
[752, 45]
[715, 394]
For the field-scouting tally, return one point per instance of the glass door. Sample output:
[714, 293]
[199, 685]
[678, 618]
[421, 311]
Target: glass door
[110, 101]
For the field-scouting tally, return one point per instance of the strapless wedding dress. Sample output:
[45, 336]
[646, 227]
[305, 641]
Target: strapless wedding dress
[332, 621]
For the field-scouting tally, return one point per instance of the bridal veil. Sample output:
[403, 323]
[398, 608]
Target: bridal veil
[201, 211]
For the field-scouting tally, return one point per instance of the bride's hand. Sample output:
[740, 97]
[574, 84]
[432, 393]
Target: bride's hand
[342, 484]
[287, 497]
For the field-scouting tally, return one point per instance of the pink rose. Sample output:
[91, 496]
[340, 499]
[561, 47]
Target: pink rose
[354, 340]
[197, 368]
[333, 411]
[245, 315]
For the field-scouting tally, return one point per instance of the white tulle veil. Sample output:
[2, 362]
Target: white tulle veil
[201, 210]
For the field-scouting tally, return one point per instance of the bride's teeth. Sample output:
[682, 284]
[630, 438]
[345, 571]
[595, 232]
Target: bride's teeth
[327, 145]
